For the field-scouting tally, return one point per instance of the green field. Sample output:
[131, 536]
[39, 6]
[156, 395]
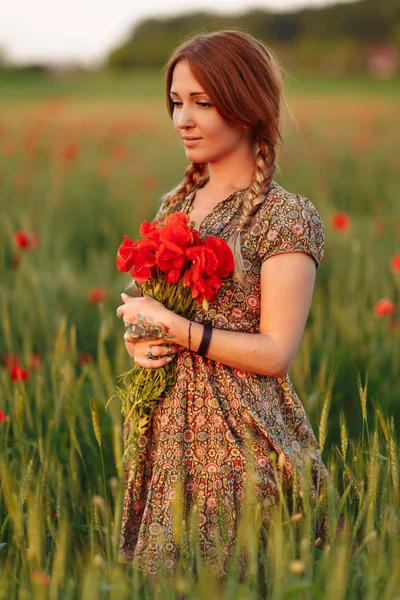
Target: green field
[83, 161]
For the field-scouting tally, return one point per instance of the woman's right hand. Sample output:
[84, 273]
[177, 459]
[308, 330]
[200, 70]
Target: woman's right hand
[138, 351]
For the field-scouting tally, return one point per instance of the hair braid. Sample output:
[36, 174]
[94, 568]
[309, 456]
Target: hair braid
[265, 168]
[193, 174]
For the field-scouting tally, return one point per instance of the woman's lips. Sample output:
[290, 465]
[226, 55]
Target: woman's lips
[190, 143]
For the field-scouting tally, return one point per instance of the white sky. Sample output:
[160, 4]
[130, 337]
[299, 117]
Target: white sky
[85, 30]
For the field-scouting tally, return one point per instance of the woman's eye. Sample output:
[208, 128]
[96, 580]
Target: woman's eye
[176, 103]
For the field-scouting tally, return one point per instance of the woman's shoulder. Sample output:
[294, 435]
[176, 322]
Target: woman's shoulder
[280, 203]
[289, 222]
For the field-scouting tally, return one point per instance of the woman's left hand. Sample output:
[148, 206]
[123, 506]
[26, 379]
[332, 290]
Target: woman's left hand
[145, 319]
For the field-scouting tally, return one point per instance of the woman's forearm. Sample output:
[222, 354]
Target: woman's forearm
[254, 352]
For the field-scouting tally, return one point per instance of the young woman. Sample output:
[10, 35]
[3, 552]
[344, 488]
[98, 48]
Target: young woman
[224, 94]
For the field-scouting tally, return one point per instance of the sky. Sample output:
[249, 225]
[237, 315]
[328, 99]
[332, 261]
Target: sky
[84, 31]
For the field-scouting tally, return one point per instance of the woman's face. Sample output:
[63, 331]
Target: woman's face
[194, 116]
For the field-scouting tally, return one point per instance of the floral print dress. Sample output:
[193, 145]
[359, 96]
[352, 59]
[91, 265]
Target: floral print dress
[199, 430]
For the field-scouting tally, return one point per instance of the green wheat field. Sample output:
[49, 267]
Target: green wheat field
[84, 161]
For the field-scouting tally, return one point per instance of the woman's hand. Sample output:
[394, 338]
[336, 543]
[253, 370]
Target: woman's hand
[146, 324]
[138, 351]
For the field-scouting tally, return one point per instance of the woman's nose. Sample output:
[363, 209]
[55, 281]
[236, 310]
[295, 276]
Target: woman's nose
[185, 118]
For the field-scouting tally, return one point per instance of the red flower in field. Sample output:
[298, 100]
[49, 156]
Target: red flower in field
[84, 358]
[70, 151]
[118, 152]
[2, 416]
[9, 360]
[17, 373]
[384, 307]
[98, 294]
[35, 361]
[39, 578]
[341, 221]
[395, 263]
[22, 239]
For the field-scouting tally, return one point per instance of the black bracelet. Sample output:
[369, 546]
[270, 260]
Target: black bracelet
[190, 324]
[205, 340]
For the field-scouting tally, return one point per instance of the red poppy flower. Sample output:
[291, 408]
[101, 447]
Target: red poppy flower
[341, 221]
[171, 260]
[395, 263]
[150, 231]
[2, 416]
[98, 294]
[203, 277]
[204, 287]
[35, 360]
[38, 577]
[84, 358]
[9, 360]
[177, 231]
[226, 262]
[17, 373]
[70, 151]
[118, 152]
[22, 239]
[384, 307]
[125, 255]
[145, 261]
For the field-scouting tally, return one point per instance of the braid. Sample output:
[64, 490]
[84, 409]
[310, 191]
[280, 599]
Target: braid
[193, 174]
[265, 168]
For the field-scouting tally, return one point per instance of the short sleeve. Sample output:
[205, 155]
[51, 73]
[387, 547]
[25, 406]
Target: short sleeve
[290, 224]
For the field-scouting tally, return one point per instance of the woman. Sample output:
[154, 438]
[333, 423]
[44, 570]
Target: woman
[224, 94]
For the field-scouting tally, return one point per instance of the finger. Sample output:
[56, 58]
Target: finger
[162, 349]
[120, 311]
[152, 363]
[126, 298]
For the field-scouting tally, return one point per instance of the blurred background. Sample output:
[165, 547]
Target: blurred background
[87, 150]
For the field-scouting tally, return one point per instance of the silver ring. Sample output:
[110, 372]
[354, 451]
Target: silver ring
[149, 354]
[169, 350]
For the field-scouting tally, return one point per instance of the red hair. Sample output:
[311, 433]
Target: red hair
[243, 79]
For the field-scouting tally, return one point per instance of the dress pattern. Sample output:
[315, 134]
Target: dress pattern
[200, 430]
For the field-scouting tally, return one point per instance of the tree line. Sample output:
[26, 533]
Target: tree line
[333, 38]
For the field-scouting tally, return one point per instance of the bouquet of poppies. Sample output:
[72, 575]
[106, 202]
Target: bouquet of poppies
[174, 265]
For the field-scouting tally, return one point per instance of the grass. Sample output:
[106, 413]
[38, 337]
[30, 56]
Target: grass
[80, 171]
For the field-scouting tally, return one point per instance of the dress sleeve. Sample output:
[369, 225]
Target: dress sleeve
[290, 224]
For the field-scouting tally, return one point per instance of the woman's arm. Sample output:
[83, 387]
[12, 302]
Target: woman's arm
[287, 283]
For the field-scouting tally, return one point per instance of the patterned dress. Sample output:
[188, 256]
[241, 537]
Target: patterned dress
[199, 430]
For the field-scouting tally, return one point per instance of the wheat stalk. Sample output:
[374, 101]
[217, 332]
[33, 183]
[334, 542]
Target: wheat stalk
[323, 424]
